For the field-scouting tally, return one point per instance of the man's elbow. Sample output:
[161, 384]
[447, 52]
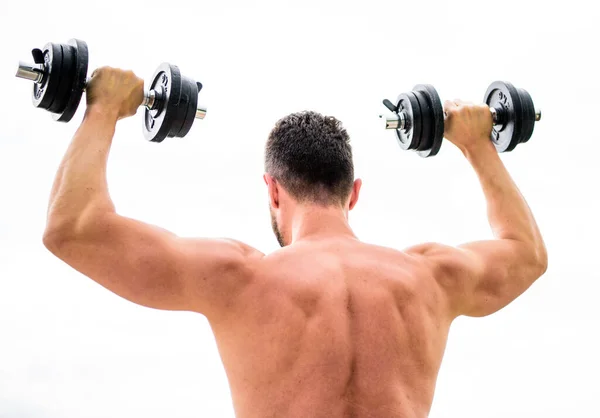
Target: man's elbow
[534, 258]
[542, 262]
[60, 232]
[63, 227]
[55, 239]
[537, 263]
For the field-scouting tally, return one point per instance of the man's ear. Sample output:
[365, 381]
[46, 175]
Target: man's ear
[273, 188]
[355, 192]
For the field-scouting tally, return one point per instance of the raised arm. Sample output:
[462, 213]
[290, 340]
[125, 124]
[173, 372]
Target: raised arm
[140, 262]
[482, 277]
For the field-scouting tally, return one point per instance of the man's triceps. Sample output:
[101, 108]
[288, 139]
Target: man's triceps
[483, 277]
[150, 266]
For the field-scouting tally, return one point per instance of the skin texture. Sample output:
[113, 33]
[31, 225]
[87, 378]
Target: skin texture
[327, 326]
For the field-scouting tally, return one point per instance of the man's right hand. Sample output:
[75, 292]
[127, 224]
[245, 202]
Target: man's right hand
[467, 125]
[115, 91]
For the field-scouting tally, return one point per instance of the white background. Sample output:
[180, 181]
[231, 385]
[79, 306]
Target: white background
[70, 348]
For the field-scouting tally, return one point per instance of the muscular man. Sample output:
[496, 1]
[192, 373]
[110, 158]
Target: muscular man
[327, 326]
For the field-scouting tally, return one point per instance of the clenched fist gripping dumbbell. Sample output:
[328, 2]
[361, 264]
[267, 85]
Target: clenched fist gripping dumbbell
[418, 118]
[59, 74]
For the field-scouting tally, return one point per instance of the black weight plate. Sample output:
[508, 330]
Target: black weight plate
[426, 140]
[408, 137]
[438, 118]
[167, 84]
[190, 116]
[417, 122]
[182, 108]
[44, 92]
[65, 80]
[79, 50]
[528, 115]
[504, 97]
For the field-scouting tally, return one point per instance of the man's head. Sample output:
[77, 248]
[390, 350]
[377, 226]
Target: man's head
[308, 162]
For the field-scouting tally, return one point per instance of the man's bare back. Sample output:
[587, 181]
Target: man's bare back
[335, 328]
[327, 326]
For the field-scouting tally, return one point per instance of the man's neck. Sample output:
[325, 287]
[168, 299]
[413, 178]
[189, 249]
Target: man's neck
[318, 222]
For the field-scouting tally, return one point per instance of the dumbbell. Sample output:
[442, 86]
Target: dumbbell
[59, 76]
[418, 118]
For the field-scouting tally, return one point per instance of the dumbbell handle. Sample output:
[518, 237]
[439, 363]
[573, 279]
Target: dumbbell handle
[35, 73]
[398, 120]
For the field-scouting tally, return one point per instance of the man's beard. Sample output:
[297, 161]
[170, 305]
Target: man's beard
[276, 229]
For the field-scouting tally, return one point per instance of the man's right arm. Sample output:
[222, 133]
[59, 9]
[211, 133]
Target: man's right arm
[482, 277]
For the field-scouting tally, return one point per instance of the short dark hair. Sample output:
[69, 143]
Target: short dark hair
[311, 156]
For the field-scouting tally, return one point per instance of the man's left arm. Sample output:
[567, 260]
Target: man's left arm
[142, 263]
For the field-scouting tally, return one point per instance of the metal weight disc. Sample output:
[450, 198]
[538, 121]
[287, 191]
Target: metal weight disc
[188, 89]
[159, 120]
[64, 81]
[409, 136]
[504, 97]
[77, 79]
[528, 115]
[44, 92]
[179, 110]
[191, 106]
[426, 122]
[437, 119]
[417, 121]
